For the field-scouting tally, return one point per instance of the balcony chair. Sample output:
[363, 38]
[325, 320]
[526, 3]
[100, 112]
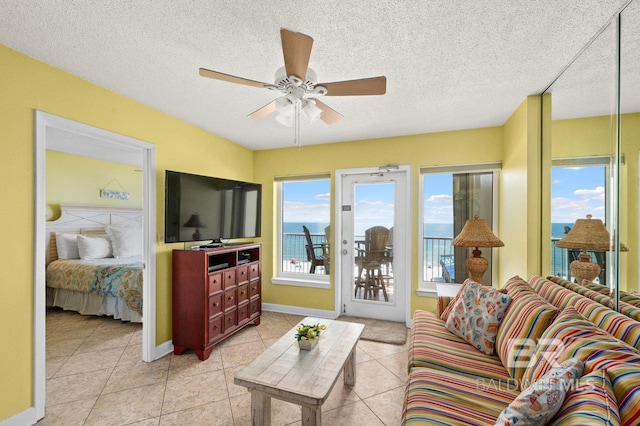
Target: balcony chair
[315, 252]
[370, 260]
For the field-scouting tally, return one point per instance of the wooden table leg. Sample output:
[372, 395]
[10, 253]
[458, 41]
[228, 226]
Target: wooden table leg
[260, 408]
[311, 416]
[350, 368]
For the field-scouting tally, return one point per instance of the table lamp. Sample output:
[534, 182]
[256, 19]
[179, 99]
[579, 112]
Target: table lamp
[476, 233]
[195, 222]
[586, 234]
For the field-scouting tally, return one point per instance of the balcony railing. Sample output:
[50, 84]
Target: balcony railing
[437, 262]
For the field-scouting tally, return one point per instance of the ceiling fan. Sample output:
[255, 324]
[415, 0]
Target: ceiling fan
[298, 84]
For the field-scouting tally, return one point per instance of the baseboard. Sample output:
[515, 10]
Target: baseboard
[26, 417]
[297, 310]
[162, 350]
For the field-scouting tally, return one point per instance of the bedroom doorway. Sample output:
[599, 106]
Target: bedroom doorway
[57, 133]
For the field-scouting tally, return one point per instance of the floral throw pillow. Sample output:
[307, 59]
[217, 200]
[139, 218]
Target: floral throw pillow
[476, 315]
[538, 403]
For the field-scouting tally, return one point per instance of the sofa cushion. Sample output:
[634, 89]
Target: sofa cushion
[541, 401]
[515, 285]
[446, 310]
[570, 335]
[432, 345]
[446, 398]
[590, 401]
[526, 318]
[477, 314]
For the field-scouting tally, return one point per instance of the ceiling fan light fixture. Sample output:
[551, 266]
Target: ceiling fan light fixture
[286, 105]
[285, 120]
[311, 110]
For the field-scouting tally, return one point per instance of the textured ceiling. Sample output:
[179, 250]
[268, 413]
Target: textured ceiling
[449, 64]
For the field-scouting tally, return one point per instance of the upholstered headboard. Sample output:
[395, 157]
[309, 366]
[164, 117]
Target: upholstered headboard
[87, 220]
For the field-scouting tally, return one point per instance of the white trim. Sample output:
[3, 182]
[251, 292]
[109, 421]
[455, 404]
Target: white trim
[26, 417]
[303, 281]
[42, 122]
[407, 241]
[163, 349]
[297, 310]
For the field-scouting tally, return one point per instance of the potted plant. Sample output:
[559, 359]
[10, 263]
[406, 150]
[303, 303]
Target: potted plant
[308, 335]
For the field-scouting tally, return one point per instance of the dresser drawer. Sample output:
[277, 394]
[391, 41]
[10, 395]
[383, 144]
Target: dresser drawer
[215, 304]
[243, 293]
[243, 312]
[229, 301]
[243, 274]
[215, 327]
[254, 288]
[254, 270]
[215, 282]
[255, 306]
[230, 320]
[229, 278]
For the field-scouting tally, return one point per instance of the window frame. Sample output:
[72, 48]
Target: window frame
[298, 279]
[429, 288]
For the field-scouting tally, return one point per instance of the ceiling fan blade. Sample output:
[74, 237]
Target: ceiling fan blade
[264, 111]
[230, 78]
[296, 48]
[363, 86]
[329, 115]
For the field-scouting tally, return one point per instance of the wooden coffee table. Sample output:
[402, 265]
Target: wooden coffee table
[302, 377]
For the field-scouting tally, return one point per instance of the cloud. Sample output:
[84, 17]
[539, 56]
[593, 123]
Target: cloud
[298, 211]
[324, 197]
[440, 198]
[596, 193]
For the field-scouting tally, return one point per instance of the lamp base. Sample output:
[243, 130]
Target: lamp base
[477, 266]
[584, 269]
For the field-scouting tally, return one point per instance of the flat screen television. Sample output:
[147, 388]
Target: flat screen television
[205, 208]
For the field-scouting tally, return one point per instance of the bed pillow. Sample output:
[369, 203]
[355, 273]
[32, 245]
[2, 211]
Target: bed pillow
[97, 247]
[538, 403]
[126, 241]
[67, 246]
[476, 315]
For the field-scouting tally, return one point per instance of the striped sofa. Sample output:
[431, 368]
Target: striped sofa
[452, 383]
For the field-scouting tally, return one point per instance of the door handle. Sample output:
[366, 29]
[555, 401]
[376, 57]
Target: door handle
[345, 252]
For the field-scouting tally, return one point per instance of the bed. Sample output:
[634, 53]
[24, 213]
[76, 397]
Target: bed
[94, 261]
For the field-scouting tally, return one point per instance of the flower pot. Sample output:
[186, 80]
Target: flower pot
[306, 344]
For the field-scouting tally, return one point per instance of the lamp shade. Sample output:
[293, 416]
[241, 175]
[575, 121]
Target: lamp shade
[195, 222]
[476, 233]
[587, 234]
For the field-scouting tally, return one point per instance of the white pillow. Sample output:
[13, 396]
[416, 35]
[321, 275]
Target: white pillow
[95, 247]
[67, 246]
[126, 240]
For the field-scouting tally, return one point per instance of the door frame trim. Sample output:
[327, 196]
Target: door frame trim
[42, 122]
[404, 216]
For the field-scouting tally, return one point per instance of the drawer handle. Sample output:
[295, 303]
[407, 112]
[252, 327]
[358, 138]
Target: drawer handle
[215, 327]
[242, 292]
[215, 281]
[230, 298]
[216, 304]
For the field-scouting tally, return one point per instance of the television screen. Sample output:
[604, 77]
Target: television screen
[201, 208]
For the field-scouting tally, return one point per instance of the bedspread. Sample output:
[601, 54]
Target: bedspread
[118, 280]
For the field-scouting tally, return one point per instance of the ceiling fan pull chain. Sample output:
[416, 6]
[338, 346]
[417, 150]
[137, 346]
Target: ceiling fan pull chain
[296, 137]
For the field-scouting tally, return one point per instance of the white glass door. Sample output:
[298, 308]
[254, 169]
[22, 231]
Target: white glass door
[374, 227]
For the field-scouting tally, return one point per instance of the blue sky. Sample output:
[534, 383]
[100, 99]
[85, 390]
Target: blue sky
[577, 192]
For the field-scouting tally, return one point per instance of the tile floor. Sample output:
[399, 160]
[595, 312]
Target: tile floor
[95, 376]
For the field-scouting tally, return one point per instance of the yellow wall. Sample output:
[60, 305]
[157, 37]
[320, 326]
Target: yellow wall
[520, 198]
[27, 85]
[72, 179]
[446, 148]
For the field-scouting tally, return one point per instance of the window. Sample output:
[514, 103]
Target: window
[451, 196]
[303, 203]
[578, 188]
